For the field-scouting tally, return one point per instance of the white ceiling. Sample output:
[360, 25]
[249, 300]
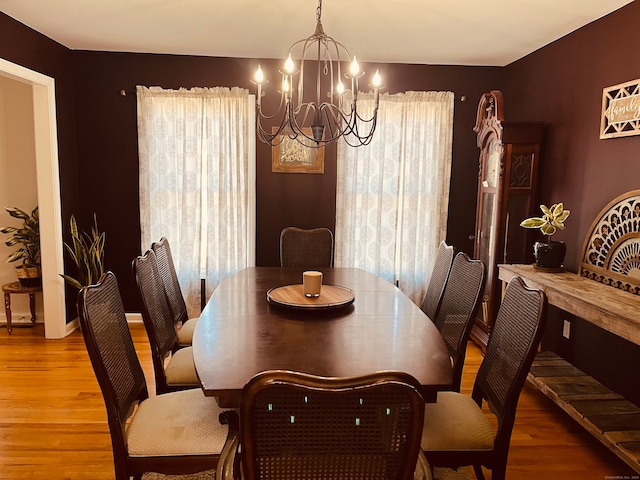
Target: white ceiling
[445, 32]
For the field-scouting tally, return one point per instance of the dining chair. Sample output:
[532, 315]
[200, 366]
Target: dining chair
[148, 434]
[311, 248]
[173, 365]
[167, 269]
[458, 309]
[294, 425]
[439, 276]
[456, 430]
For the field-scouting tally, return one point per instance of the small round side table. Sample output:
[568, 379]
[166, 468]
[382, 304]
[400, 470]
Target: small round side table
[17, 288]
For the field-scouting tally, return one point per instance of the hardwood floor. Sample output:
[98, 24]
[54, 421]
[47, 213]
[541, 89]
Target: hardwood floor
[53, 422]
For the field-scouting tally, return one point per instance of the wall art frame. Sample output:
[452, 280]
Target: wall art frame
[620, 110]
[290, 156]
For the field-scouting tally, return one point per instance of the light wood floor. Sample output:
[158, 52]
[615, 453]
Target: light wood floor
[53, 422]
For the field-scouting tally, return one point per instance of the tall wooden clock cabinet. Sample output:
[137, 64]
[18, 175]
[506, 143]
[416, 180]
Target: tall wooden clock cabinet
[509, 161]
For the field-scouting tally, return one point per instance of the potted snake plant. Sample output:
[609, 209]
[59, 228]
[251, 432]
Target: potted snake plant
[87, 253]
[549, 254]
[27, 236]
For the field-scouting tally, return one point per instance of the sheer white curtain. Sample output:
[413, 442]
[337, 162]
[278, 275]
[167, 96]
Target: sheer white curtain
[392, 195]
[197, 181]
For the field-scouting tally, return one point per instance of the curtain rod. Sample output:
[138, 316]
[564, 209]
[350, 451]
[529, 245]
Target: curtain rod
[124, 93]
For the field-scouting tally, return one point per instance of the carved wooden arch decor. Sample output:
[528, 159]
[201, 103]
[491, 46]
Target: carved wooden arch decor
[611, 251]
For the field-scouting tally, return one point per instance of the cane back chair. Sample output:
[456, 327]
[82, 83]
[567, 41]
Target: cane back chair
[148, 434]
[456, 431]
[458, 309]
[173, 366]
[438, 280]
[295, 425]
[167, 269]
[306, 248]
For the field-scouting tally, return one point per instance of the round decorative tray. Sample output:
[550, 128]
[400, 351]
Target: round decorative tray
[331, 296]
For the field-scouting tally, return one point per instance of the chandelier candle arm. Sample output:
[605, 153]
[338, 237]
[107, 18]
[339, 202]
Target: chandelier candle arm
[331, 119]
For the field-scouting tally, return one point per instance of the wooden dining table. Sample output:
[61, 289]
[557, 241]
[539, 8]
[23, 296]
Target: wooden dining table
[241, 333]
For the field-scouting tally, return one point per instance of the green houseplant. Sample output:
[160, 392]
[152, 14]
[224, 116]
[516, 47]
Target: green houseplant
[549, 254]
[28, 237]
[87, 252]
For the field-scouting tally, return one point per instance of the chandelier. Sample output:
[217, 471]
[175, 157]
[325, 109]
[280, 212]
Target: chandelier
[330, 118]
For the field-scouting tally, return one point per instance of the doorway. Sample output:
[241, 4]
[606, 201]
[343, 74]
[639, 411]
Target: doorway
[48, 188]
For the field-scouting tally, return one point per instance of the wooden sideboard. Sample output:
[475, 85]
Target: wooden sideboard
[605, 414]
[609, 308]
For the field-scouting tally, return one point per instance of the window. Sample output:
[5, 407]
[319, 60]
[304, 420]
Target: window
[197, 181]
[392, 195]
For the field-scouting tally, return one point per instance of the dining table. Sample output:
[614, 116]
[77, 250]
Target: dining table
[359, 324]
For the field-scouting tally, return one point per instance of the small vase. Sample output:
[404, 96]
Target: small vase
[550, 254]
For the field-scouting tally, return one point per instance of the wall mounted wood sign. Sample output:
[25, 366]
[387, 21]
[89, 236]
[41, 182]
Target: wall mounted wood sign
[290, 156]
[621, 110]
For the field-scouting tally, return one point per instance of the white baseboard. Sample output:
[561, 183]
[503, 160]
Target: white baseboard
[75, 323]
[131, 318]
[21, 318]
[72, 326]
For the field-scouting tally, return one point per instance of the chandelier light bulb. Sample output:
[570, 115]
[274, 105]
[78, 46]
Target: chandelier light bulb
[340, 88]
[285, 85]
[289, 67]
[377, 80]
[259, 76]
[354, 69]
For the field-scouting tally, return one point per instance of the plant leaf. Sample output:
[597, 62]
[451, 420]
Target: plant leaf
[548, 229]
[563, 216]
[533, 222]
[546, 210]
[72, 281]
[557, 209]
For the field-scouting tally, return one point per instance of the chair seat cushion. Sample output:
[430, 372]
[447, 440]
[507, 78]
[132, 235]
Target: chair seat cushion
[177, 423]
[455, 422]
[185, 332]
[181, 370]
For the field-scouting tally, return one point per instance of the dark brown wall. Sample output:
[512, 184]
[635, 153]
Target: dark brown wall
[108, 157]
[23, 46]
[107, 139]
[561, 85]
[290, 199]
[28, 48]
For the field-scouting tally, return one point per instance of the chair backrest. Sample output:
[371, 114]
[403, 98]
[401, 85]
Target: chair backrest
[458, 309]
[306, 248]
[169, 277]
[113, 356]
[511, 348]
[438, 280]
[294, 425]
[156, 315]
